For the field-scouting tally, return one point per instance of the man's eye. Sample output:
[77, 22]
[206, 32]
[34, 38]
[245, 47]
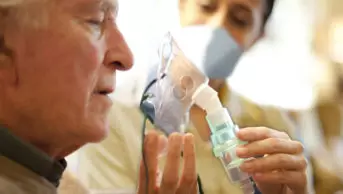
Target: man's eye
[95, 26]
[96, 23]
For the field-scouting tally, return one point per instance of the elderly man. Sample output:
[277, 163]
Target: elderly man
[57, 64]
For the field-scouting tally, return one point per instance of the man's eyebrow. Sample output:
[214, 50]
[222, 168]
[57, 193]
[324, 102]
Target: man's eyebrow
[96, 5]
[110, 5]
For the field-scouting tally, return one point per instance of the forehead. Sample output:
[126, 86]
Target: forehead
[88, 5]
[254, 3]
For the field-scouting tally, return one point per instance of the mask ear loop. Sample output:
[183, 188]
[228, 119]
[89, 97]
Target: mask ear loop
[257, 28]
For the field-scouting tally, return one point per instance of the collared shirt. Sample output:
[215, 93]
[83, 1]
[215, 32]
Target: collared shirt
[30, 157]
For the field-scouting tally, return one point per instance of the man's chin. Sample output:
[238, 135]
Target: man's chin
[98, 132]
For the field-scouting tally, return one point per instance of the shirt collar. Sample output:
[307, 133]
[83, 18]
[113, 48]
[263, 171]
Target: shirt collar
[30, 157]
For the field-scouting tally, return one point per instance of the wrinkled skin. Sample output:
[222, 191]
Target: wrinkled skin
[59, 63]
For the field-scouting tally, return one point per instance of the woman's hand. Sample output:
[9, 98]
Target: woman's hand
[171, 182]
[282, 168]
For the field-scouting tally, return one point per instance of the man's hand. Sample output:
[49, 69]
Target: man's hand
[171, 183]
[282, 169]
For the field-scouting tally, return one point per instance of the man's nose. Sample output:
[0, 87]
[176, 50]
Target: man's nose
[118, 54]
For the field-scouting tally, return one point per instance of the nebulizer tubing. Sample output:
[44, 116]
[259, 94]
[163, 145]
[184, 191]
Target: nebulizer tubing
[223, 138]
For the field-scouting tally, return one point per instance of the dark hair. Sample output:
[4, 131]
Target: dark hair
[269, 10]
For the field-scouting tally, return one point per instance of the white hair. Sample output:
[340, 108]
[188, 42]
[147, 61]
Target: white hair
[24, 12]
[18, 13]
[9, 3]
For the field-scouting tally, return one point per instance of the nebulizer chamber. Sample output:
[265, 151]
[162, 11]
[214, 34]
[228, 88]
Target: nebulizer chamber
[181, 83]
[223, 136]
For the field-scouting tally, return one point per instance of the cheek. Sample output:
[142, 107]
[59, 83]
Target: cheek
[190, 14]
[244, 38]
[59, 63]
[238, 35]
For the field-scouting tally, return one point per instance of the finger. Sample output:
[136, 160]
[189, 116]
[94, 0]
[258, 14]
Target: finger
[195, 188]
[274, 162]
[296, 180]
[162, 146]
[142, 184]
[189, 175]
[259, 133]
[269, 146]
[170, 177]
[148, 169]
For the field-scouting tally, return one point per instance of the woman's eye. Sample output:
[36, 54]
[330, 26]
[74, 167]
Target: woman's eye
[242, 23]
[240, 16]
[208, 6]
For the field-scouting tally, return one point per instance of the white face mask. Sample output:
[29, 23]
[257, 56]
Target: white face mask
[189, 58]
[212, 50]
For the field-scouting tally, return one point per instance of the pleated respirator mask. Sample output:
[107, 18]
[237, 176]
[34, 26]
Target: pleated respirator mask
[187, 59]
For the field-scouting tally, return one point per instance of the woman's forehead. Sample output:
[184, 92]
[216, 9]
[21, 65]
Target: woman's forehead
[255, 3]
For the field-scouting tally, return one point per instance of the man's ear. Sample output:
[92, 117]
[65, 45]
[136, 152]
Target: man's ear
[7, 68]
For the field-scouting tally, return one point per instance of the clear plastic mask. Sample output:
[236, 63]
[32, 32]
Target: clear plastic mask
[188, 59]
[177, 79]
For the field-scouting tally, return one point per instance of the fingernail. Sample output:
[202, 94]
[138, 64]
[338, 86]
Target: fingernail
[175, 138]
[241, 133]
[257, 175]
[159, 178]
[246, 166]
[163, 144]
[189, 138]
[163, 141]
[243, 130]
[241, 151]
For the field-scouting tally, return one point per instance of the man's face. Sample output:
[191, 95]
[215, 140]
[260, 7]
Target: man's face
[241, 18]
[65, 66]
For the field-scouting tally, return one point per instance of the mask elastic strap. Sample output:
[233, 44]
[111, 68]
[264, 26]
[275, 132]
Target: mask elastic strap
[253, 35]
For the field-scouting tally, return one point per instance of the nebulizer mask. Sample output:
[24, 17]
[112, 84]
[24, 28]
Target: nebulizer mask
[187, 60]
